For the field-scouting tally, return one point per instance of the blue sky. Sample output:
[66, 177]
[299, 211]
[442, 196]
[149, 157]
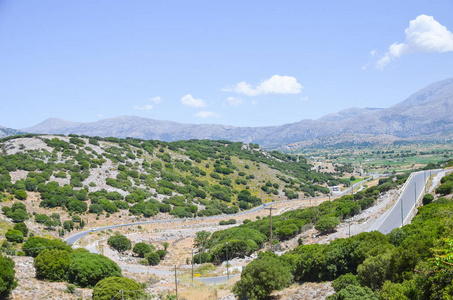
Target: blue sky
[242, 63]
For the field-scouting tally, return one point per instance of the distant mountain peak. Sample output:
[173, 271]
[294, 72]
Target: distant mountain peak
[427, 113]
[348, 113]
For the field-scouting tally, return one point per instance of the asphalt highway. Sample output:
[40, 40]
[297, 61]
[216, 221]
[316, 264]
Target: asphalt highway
[413, 191]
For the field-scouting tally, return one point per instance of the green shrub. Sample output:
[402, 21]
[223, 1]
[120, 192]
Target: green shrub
[108, 288]
[35, 245]
[354, 292]
[87, 269]
[445, 188]
[161, 253]
[52, 264]
[153, 258]
[19, 215]
[343, 281]
[427, 199]
[14, 236]
[202, 258]
[141, 249]
[261, 277]
[119, 242]
[20, 194]
[327, 224]
[22, 228]
[7, 277]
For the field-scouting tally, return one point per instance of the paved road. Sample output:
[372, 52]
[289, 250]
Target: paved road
[207, 280]
[412, 192]
[214, 280]
[74, 238]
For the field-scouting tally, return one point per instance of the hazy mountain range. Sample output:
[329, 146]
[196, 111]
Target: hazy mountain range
[4, 132]
[427, 114]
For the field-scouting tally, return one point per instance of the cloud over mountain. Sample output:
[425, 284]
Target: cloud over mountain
[424, 34]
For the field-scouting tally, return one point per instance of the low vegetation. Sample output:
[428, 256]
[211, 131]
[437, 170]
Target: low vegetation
[252, 236]
[7, 280]
[184, 179]
[412, 262]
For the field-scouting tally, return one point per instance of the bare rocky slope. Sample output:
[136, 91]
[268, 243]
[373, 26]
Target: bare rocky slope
[427, 114]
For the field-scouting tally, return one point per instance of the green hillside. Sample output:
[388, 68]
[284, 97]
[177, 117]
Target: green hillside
[410, 263]
[184, 178]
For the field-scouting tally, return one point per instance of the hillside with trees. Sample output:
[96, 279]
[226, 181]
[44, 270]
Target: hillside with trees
[184, 179]
[413, 262]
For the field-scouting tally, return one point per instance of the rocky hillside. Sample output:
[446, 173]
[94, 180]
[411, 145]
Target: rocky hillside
[184, 179]
[427, 114]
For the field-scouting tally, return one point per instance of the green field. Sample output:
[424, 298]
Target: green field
[387, 158]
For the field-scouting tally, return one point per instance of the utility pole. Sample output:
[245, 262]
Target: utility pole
[270, 215]
[122, 295]
[424, 177]
[176, 283]
[402, 218]
[415, 192]
[192, 266]
[349, 228]
[228, 272]
[330, 207]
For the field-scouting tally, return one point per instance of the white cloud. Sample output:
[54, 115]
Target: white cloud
[207, 114]
[144, 107]
[233, 101]
[156, 100]
[424, 34]
[254, 102]
[275, 85]
[99, 115]
[373, 52]
[304, 99]
[191, 101]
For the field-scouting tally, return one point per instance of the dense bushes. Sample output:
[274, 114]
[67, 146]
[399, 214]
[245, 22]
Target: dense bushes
[14, 236]
[327, 224]
[262, 276]
[87, 269]
[35, 245]
[17, 212]
[7, 280]
[325, 216]
[108, 288]
[56, 261]
[52, 264]
[164, 171]
[152, 258]
[141, 249]
[119, 242]
[413, 262]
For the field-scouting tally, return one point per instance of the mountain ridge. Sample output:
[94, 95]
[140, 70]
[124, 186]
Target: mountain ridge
[428, 113]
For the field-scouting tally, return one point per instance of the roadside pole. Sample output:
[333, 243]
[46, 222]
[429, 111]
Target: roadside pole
[270, 215]
[176, 283]
[402, 215]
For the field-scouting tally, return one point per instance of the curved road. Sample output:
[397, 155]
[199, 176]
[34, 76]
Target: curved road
[74, 238]
[413, 190]
[207, 280]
